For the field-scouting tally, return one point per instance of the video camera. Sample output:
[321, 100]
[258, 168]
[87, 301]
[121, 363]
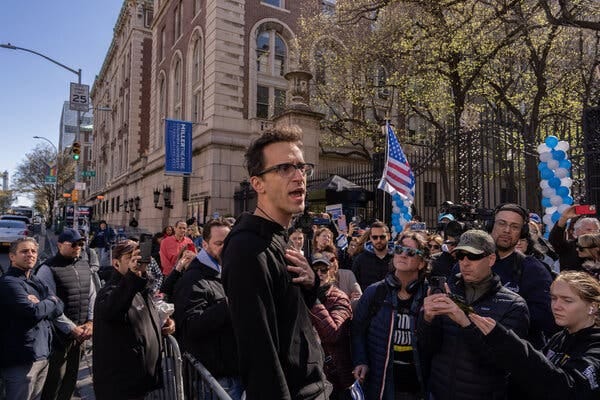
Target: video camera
[466, 217]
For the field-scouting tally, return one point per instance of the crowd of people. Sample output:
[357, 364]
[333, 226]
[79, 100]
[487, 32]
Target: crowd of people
[278, 310]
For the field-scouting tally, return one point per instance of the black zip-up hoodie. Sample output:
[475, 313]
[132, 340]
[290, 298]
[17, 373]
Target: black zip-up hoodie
[280, 357]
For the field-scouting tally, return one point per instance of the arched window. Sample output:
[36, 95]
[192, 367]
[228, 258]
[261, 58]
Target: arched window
[272, 61]
[177, 89]
[197, 81]
[162, 110]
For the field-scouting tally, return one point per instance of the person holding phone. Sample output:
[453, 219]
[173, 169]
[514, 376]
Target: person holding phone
[569, 366]
[567, 249]
[460, 365]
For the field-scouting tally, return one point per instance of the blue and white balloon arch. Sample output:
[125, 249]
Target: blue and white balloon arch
[556, 182]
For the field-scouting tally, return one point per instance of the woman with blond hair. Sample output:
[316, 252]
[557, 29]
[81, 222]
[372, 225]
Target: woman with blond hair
[569, 365]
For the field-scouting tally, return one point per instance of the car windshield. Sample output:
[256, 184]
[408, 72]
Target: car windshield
[6, 223]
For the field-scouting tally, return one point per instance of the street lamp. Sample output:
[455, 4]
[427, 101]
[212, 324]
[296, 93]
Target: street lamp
[55, 210]
[78, 133]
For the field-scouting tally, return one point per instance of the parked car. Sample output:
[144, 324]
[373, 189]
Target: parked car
[11, 230]
[15, 217]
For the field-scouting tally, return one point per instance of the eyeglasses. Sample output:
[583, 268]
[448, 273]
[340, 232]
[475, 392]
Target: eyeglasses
[581, 248]
[287, 170]
[460, 255]
[409, 251]
[378, 237]
[502, 224]
[322, 269]
[77, 244]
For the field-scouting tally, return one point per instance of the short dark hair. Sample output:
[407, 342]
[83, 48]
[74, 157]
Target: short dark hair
[215, 222]
[255, 158]
[123, 247]
[379, 224]
[14, 245]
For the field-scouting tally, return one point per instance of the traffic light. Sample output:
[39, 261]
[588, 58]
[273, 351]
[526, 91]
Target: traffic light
[76, 148]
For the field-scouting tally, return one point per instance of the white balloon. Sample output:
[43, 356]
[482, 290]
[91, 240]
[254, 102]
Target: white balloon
[407, 203]
[396, 210]
[543, 148]
[561, 172]
[566, 182]
[545, 157]
[395, 203]
[562, 145]
[547, 219]
[548, 192]
[556, 200]
[553, 164]
[544, 184]
[550, 210]
[563, 207]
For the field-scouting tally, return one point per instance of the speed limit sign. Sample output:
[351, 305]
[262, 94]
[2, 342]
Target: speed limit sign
[80, 97]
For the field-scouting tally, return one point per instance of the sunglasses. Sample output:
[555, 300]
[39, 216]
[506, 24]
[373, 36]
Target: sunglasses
[322, 269]
[409, 251]
[460, 255]
[581, 248]
[77, 244]
[378, 237]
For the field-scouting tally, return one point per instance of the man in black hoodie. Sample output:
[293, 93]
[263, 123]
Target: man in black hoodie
[201, 311]
[271, 289]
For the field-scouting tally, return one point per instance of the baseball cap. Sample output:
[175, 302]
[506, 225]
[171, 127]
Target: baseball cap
[535, 218]
[69, 235]
[320, 260]
[449, 217]
[476, 242]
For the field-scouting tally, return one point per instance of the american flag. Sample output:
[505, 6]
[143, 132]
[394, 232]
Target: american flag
[397, 175]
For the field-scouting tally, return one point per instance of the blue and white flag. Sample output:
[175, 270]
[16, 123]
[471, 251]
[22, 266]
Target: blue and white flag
[397, 175]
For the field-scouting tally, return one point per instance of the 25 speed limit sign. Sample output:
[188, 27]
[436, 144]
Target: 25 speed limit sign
[79, 97]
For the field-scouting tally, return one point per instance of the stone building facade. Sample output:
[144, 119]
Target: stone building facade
[221, 65]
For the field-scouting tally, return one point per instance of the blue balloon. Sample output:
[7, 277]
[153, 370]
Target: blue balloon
[551, 141]
[546, 202]
[542, 166]
[568, 200]
[547, 173]
[395, 218]
[403, 209]
[562, 191]
[566, 164]
[554, 183]
[407, 216]
[559, 155]
[555, 216]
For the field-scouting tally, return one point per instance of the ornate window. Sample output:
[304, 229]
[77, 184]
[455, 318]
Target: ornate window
[197, 69]
[177, 89]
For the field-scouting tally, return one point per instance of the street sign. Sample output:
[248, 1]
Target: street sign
[79, 98]
[50, 179]
[88, 173]
[79, 185]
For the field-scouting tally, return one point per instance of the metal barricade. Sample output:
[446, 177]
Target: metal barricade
[172, 372]
[199, 382]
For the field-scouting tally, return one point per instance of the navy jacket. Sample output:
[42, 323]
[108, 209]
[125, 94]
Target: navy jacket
[461, 366]
[534, 287]
[26, 331]
[369, 268]
[372, 337]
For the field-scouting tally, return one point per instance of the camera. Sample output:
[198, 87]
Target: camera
[437, 284]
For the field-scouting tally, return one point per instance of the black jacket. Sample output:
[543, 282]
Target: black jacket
[568, 257]
[568, 368]
[369, 268]
[126, 340]
[203, 321]
[280, 357]
[26, 331]
[461, 367]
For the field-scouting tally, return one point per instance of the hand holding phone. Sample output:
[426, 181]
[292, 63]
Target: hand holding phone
[585, 209]
[146, 250]
[437, 284]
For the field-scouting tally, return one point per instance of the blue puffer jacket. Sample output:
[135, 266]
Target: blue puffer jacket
[372, 337]
[26, 332]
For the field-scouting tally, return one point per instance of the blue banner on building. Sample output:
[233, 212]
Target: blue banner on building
[178, 147]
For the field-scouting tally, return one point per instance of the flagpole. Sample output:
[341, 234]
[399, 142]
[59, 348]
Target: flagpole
[386, 129]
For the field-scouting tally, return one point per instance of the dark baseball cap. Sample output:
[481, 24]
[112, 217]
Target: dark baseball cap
[69, 235]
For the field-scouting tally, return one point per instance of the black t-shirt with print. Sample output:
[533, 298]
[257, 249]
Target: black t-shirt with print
[405, 372]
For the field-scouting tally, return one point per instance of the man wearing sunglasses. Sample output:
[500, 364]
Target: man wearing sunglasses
[448, 334]
[68, 274]
[373, 264]
[270, 286]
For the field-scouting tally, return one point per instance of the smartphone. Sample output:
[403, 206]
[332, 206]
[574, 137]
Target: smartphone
[146, 250]
[418, 227]
[585, 209]
[437, 284]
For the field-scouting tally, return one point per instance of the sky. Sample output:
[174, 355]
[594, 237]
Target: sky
[76, 33]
